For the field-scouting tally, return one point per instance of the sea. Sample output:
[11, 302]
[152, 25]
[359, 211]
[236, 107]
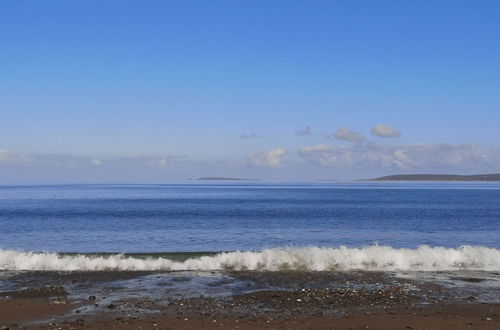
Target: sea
[372, 226]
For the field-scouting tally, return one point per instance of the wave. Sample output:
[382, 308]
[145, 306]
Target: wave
[369, 258]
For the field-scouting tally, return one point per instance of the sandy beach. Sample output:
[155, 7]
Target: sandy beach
[21, 314]
[369, 301]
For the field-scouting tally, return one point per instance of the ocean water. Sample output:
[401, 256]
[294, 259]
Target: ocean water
[371, 226]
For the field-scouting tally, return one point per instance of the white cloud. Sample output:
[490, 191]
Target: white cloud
[326, 155]
[160, 161]
[271, 158]
[344, 133]
[62, 160]
[385, 131]
[404, 157]
[4, 155]
[304, 132]
[9, 157]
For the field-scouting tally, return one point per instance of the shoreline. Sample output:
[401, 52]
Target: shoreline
[436, 316]
[312, 300]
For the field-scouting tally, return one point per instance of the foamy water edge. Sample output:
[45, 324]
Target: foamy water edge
[369, 258]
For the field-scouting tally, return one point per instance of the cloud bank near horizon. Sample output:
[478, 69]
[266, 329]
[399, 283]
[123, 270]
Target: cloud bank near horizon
[400, 157]
[358, 158]
[362, 157]
[71, 161]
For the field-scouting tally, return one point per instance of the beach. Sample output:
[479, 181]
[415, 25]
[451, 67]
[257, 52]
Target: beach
[312, 300]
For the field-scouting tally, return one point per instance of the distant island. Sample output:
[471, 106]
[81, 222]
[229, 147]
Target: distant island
[220, 178]
[439, 177]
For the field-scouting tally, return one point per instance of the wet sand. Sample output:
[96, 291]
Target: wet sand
[18, 312]
[318, 301]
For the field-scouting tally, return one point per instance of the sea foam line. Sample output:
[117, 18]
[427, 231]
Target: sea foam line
[370, 258]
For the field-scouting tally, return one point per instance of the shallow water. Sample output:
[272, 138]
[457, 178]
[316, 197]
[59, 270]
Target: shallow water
[110, 287]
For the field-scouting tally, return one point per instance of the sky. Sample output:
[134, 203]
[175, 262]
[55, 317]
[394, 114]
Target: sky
[162, 91]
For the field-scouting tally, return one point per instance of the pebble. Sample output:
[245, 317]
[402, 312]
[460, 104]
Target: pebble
[59, 302]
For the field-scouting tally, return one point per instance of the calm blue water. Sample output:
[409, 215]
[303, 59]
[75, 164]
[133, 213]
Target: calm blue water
[175, 218]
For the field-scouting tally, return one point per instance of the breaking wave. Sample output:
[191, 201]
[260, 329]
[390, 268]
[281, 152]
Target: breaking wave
[369, 258]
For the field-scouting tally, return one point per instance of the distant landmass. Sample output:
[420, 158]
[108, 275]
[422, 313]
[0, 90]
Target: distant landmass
[439, 177]
[220, 178]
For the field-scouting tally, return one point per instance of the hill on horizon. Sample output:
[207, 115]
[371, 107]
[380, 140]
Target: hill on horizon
[439, 177]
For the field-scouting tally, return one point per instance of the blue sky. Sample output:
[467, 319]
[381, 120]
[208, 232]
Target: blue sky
[164, 90]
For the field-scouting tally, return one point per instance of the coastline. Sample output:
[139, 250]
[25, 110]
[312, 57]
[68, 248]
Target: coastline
[312, 300]
[436, 316]
[438, 178]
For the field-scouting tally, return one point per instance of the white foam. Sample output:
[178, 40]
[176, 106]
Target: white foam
[371, 258]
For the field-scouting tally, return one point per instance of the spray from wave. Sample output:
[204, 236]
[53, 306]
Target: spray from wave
[370, 258]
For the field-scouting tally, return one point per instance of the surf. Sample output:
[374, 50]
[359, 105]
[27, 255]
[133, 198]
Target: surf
[311, 258]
